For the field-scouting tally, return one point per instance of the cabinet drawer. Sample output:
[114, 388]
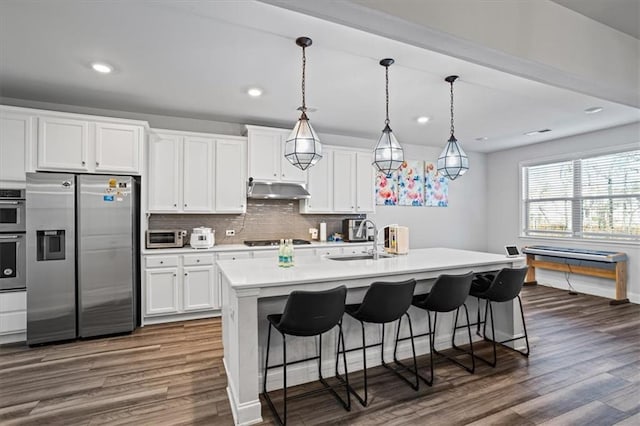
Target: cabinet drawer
[234, 256]
[161, 261]
[13, 322]
[13, 301]
[266, 254]
[198, 259]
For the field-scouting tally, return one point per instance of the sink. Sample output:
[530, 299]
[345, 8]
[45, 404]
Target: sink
[363, 256]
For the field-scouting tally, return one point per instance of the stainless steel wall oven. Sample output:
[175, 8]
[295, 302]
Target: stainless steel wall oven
[12, 240]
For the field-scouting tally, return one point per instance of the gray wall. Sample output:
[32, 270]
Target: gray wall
[503, 206]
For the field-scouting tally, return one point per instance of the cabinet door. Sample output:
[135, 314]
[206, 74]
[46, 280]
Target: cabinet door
[165, 177]
[288, 172]
[63, 144]
[320, 186]
[198, 174]
[365, 181]
[16, 139]
[343, 181]
[264, 155]
[161, 290]
[230, 179]
[118, 148]
[199, 292]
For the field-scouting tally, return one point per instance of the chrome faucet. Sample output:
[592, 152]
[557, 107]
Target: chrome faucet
[374, 253]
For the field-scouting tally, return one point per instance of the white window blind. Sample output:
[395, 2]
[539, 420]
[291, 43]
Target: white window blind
[595, 197]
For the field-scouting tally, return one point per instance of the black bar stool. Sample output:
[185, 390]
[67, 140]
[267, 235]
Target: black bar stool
[308, 313]
[384, 302]
[506, 286]
[448, 293]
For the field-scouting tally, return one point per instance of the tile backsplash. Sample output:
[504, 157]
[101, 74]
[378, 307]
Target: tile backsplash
[264, 220]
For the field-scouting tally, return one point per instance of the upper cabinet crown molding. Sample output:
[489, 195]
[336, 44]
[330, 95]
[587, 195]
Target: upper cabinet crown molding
[266, 161]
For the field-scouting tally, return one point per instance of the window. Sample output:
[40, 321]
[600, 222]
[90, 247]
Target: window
[595, 197]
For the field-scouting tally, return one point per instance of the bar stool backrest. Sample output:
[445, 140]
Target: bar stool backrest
[386, 301]
[506, 285]
[449, 292]
[309, 313]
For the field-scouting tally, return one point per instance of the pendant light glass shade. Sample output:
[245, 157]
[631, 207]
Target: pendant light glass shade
[453, 162]
[388, 155]
[302, 148]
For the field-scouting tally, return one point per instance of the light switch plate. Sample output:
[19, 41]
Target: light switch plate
[230, 232]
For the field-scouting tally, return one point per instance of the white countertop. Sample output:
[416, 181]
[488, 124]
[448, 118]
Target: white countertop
[242, 247]
[256, 273]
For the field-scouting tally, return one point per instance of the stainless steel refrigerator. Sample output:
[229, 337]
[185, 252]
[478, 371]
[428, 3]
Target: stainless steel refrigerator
[82, 256]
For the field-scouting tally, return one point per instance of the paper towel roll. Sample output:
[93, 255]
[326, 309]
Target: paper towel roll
[323, 232]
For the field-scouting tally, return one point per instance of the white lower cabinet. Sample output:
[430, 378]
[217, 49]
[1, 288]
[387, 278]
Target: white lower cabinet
[13, 316]
[180, 286]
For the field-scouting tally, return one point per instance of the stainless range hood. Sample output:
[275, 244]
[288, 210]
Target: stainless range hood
[276, 190]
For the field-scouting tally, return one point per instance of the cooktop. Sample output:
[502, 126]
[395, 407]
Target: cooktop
[257, 243]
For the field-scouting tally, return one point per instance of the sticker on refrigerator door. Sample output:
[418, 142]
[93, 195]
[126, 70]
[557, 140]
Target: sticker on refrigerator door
[112, 183]
[107, 198]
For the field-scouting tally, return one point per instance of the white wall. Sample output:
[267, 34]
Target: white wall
[503, 207]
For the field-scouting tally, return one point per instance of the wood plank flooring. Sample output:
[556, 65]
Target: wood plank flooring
[584, 369]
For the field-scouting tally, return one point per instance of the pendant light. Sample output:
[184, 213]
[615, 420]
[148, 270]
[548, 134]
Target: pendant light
[388, 155]
[302, 147]
[453, 162]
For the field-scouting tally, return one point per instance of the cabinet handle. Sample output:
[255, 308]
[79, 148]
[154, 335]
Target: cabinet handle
[97, 163]
[185, 274]
[275, 174]
[197, 260]
[161, 262]
[175, 205]
[83, 163]
[185, 205]
[283, 175]
[174, 274]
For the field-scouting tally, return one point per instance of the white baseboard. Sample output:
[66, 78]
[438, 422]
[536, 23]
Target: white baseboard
[13, 338]
[243, 414]
[161, 319]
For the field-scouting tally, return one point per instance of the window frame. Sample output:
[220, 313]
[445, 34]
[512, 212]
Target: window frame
[577, 233]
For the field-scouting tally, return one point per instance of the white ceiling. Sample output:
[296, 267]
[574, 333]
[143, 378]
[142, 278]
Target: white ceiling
[196, 59]
[622, 15]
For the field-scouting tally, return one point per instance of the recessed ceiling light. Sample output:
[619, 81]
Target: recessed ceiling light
[535, 132]
[482, 139]
[101, 67]
[593, 110]
[423, 119]
[254, 92]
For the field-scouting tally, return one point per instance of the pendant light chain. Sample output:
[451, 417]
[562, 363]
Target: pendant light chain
[304, 65]
[386, 73]
[452, 108]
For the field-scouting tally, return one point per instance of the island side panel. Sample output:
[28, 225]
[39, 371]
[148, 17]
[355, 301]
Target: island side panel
[240, 338]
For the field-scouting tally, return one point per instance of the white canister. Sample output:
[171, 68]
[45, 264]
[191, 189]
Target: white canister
[323, 232]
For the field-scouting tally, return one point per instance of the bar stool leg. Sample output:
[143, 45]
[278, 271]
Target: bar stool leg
[416, 385]
[524, 326]
[284, 371]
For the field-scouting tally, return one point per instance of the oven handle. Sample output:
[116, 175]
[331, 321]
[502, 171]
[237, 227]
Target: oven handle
[13, 203]
[10, 237]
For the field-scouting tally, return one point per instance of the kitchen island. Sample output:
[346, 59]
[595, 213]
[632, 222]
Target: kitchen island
[254, 288]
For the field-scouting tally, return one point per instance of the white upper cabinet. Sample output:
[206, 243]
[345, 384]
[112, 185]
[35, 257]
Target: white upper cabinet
[320, 185]
[78, 143]
[196, 173]
[266, 156]
[118, 147]
[63, 144]
[342, 182]
[16, 143]
[344, 177]
[365, 183]
[230, 176]
[165, 172]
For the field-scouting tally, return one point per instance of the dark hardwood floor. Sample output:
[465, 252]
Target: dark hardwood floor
[584, 369]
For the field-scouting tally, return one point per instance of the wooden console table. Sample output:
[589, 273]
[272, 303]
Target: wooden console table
[596, 264]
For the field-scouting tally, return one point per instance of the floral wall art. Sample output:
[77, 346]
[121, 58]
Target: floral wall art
[416, 183]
